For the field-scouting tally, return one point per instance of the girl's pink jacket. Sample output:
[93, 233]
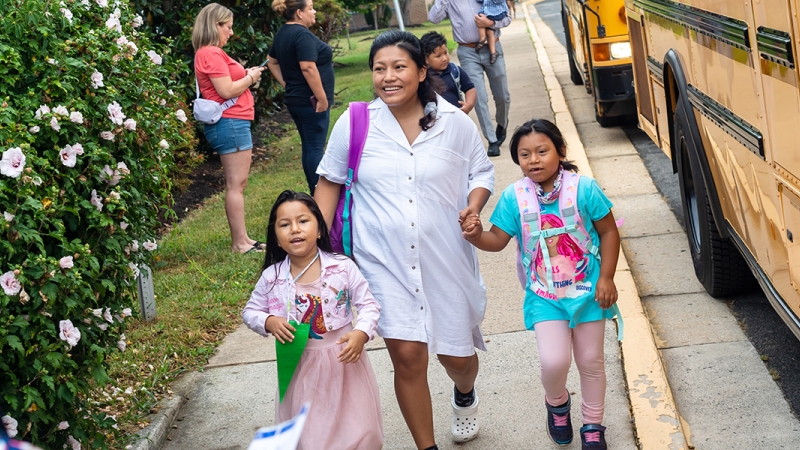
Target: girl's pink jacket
[339, 273]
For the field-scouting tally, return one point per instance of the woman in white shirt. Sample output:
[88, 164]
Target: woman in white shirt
[423, 168]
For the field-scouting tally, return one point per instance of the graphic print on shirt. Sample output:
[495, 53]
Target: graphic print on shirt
[342, 300]
[568, 261]
[310, 306]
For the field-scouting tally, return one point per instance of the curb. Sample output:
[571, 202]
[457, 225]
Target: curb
[153, 436]
[655, 418]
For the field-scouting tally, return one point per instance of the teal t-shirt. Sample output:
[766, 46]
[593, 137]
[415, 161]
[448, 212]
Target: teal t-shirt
[575, 274]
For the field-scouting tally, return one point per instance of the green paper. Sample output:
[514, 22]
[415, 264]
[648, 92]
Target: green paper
[289, 354]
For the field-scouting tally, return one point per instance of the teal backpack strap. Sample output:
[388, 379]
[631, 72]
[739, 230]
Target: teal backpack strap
[530, 222]
[568, 206]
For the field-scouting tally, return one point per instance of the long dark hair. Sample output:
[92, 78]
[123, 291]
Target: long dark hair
[548, 129]
[426, 92]
[274, 253]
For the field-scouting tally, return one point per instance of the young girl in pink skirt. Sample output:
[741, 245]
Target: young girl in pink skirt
[303, 279]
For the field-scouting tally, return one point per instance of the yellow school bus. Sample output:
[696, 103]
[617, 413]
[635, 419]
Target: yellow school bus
[717, 90]
[599, 54]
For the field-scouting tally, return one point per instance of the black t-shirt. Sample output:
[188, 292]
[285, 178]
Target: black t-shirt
[450, 92]
[294, 43]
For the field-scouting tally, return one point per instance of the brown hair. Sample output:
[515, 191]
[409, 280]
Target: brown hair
[288, 8]
[205, 30]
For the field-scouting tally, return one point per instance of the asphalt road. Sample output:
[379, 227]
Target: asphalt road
[767, 332]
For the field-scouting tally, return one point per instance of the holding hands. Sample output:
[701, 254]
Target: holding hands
[280, 328]
[471, 227]
[355, 344]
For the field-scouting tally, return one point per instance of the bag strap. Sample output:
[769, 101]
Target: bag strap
[225, 105]
[359, 128]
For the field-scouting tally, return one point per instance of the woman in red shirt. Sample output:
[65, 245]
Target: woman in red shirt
[221, 78]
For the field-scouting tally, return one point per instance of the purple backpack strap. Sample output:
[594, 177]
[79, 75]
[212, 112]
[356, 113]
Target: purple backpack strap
[359, 127]
[342, 228]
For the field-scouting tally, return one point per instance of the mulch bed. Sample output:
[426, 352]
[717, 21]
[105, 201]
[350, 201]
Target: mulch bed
[208, 178]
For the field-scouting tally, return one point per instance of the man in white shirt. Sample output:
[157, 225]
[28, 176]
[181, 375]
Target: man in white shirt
[464, 20]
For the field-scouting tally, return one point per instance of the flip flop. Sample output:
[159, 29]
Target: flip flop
[256, 248]
[260, 245]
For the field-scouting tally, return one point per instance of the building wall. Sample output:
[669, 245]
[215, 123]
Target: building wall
[417, 11]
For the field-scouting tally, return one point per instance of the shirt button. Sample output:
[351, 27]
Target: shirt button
[410, 201]
[412, 246]
[413, 267]
[409, 178]
[412, 224]
[416, 290]
[327, 314]
[412, 153]
[421, 308]
[324, 284]
[330, 327]
[326, 300]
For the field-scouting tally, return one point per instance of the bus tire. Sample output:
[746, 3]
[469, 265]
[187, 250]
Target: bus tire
[574, 73]
[717, 262]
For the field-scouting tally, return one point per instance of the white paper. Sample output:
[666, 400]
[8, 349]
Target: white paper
[284, 436]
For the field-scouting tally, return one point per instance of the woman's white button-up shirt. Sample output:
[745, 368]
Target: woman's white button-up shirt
[407, 239]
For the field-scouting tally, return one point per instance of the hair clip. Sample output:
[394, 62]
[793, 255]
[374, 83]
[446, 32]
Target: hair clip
[430, 108]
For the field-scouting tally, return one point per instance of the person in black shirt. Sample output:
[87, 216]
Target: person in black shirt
[303, 65]
[458, 88]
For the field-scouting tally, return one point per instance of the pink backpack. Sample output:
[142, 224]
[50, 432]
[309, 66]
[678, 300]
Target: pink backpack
[533, 236]
[342, 228]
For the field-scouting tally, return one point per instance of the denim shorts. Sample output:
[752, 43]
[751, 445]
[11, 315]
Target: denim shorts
[229, 135]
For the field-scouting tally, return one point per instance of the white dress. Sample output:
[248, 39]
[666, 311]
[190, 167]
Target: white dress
[407, 239]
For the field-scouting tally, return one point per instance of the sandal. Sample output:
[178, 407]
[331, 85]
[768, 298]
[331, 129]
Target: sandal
[465, 420]
[493, 57]
[481, 44]
[258, 247]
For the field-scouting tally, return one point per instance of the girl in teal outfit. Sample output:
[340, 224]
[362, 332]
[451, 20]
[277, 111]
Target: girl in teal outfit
[569, 281]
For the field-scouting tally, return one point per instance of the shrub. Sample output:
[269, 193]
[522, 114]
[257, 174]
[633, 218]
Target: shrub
[88, 126]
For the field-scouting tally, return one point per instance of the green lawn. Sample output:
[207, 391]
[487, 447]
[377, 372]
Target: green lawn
[200, 286]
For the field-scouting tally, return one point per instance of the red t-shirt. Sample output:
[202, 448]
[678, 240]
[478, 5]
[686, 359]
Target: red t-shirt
[213, 62]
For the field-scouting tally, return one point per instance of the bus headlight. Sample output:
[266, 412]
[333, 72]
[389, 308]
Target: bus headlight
[620, 50]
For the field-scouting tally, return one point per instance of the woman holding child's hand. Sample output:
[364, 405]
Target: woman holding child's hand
[423, 168]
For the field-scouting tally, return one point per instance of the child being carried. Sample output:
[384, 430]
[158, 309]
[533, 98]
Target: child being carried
[495, 10]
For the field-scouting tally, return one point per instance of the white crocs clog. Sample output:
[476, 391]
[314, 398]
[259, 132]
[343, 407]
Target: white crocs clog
[466, 422]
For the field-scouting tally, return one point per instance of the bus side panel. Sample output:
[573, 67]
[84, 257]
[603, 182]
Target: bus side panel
[576, 32]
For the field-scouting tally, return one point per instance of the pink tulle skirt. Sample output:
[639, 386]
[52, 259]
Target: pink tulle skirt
[345, 405]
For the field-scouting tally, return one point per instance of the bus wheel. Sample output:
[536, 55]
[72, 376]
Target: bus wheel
[574, 73]
[717, 262]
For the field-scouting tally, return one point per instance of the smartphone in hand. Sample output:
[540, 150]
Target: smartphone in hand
[314, 102]
[264, 63]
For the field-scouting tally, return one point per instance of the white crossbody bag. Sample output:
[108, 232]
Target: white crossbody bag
[208, 111]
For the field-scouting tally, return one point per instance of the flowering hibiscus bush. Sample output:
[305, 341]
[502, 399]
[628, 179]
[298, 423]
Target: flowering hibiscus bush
[88, 129]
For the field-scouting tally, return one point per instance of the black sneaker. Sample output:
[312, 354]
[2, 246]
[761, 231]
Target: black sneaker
[593, 437]
[500, 133]
[494, 149]
[559, 423]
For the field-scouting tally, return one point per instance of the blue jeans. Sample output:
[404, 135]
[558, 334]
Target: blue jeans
[313, 129]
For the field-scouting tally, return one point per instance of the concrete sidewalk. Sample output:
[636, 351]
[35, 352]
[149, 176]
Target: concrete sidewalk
[235, 393]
